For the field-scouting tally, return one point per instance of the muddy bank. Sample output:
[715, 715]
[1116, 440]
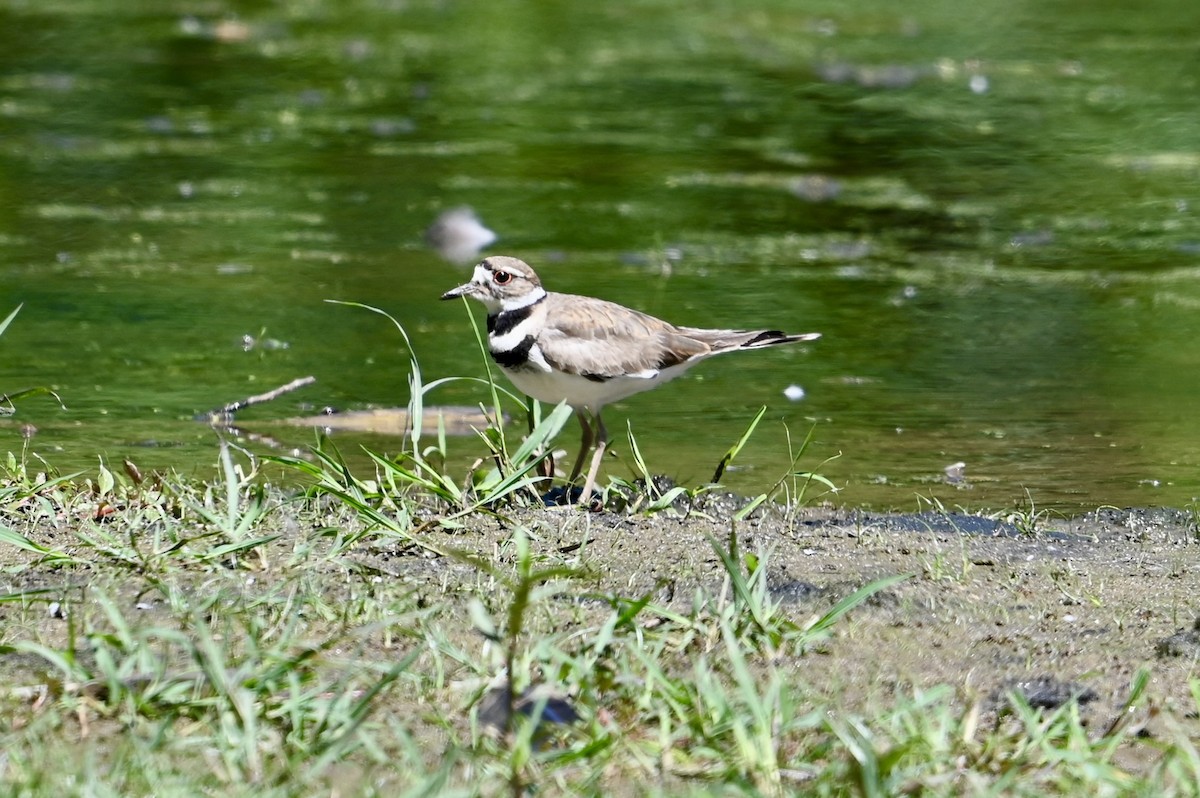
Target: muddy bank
[1057, 608]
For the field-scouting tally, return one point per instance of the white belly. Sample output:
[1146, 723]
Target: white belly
[553, 387]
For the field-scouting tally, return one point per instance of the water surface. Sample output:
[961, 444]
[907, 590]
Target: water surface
[989, 211]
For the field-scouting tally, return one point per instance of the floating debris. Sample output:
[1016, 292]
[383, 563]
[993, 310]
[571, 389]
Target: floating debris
[956, 473]
[870, 76]
[1032, 238]
[250, 342]
[458, 235]
[455, 420]
[815, 188]
[907, 293]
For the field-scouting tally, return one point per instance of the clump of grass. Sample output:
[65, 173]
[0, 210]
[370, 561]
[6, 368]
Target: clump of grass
[243, 683]
[418, 472]
[646, 496]
[406, 482]
[140, 653]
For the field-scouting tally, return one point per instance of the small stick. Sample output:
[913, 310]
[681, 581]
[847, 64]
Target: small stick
[224, 414]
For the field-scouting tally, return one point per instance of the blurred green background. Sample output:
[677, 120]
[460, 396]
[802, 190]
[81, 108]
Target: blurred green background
[989, 210]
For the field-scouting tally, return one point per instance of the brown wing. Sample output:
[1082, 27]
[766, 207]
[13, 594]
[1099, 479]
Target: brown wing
[601, 339]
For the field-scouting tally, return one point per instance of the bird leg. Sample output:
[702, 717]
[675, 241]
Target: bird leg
[588, 440]
[546, 467]
[601, 445]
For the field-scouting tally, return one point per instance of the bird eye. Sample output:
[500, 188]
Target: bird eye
[501, 278]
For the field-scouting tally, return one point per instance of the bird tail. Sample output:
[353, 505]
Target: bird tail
[775, 337]
[719, 341]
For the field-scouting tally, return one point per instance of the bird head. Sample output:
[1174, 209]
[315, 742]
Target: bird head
[501, 283]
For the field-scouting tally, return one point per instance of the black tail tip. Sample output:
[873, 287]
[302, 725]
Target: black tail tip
[766, 337]
[771, 337]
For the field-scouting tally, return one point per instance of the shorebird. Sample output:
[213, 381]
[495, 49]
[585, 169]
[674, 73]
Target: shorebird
[589, 352]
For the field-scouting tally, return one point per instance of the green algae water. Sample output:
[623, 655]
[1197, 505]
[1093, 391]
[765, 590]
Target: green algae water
[989, 211]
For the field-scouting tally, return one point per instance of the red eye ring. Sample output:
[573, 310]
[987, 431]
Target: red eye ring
[501, 278]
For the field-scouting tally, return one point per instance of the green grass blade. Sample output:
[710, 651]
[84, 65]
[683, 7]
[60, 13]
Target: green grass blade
[737, 447]
[64, 663]
[8, 319]
[14, 538]
[822, 624]
[236, 547]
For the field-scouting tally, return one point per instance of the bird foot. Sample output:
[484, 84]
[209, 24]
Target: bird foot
[558, 497]
[568, 495]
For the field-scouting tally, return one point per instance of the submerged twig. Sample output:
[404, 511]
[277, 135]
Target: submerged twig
[224, 415]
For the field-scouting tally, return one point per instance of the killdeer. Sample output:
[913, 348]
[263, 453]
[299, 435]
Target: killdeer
[588, 352]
